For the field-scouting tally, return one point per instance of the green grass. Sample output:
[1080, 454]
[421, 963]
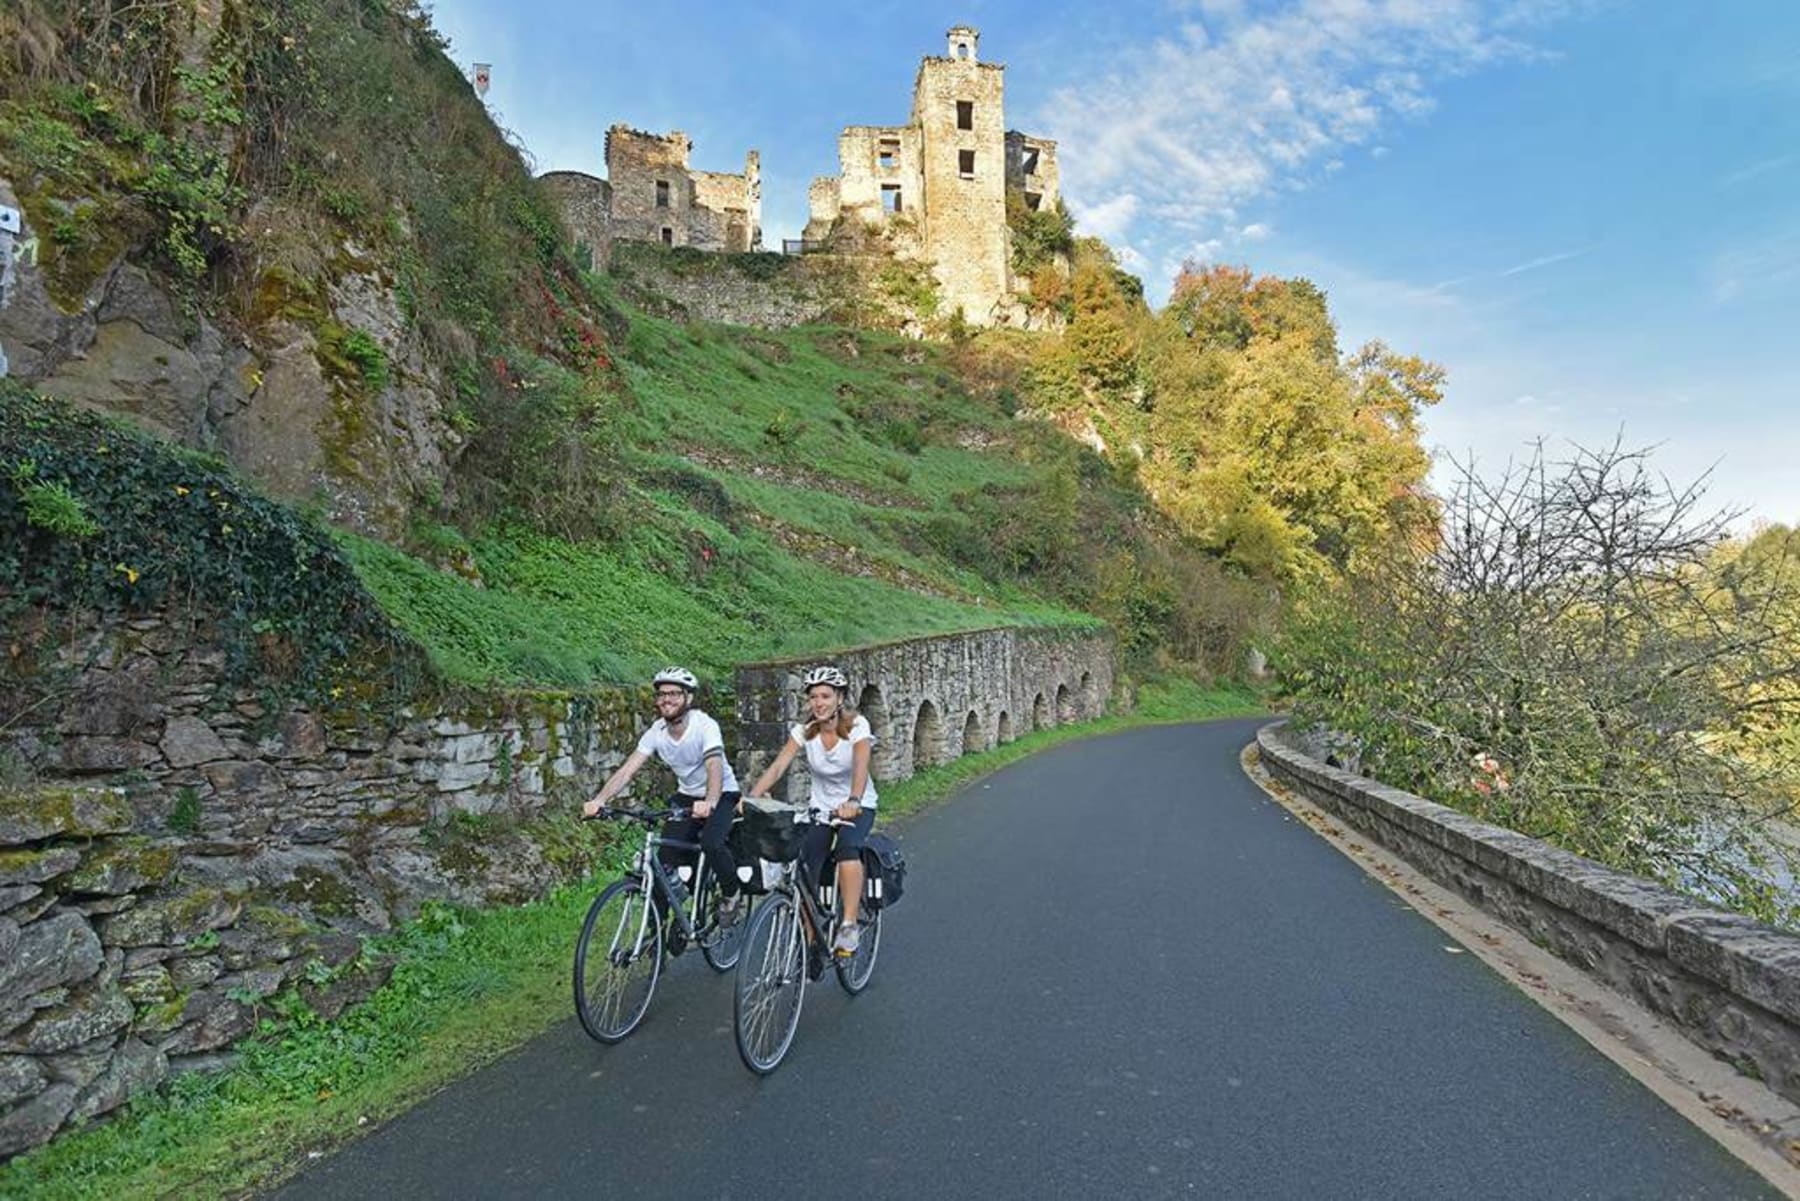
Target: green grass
[468, 988]
[565, 613]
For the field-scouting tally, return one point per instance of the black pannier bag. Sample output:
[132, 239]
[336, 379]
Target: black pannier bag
[884, 871]
[767, 830]
[743, 853]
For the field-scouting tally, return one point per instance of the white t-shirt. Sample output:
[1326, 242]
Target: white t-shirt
[831, 769]
[700, 740]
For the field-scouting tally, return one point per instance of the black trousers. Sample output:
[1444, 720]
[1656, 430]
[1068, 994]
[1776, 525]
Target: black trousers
[710, 833]
[842, 843]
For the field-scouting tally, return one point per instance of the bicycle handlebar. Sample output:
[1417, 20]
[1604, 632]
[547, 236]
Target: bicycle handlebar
[647, 816]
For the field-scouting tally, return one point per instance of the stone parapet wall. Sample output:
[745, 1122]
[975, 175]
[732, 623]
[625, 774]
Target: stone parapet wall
[1730, 983]
[932, 700]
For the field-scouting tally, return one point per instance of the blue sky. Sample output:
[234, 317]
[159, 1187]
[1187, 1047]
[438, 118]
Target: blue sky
[1587, 210]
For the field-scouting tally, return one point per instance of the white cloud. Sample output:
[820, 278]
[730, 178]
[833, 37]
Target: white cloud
[1546, 260]
[1757, 266]
[1237, 105]
[1255, 232]
[1747, 173]
[1108, 219]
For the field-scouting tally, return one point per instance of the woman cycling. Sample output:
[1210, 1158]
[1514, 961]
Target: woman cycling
[837, 742]
[690, 742]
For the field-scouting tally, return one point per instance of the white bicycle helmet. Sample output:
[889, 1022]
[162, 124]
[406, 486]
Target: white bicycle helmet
[676, 675]
[827, 674]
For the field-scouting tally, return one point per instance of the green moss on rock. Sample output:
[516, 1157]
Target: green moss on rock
[34, 815]
[123, 865]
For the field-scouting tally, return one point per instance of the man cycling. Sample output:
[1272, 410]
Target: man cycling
[690, 742]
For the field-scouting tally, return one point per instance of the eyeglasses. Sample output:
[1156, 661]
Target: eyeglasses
[669, 694]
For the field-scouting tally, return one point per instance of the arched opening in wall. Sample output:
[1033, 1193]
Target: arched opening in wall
[928, 738]
[1090, 698]
[1065, 705]
[1040, 713]
[1003, 732]
[971, 739]
[874, 711]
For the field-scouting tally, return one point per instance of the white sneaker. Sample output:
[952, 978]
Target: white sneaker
[845, 944]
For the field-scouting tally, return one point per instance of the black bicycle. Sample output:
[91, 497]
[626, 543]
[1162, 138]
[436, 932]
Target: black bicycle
[790, 937]
[639, 918]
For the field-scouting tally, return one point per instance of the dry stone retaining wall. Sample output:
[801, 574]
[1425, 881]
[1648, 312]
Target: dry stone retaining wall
[187, 853]
[1730, 983]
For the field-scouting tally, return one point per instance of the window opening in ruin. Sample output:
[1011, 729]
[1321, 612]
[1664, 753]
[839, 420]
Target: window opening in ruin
[962, 49]
[1033, 200]
[887, 155]
[662, 193]
[965, 163]
[668, 236]
[965, 114]
[890, 197]
[1028, 165]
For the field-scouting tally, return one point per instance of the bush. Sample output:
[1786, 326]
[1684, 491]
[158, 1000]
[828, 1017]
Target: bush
[1564, 659]
[105, 518]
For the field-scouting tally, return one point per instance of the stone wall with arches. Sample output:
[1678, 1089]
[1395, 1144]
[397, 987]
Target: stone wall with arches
[931, 700]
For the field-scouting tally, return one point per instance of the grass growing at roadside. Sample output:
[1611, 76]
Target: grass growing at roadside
[468, 988]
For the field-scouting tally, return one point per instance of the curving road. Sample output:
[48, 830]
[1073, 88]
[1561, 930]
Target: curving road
[1118, 971]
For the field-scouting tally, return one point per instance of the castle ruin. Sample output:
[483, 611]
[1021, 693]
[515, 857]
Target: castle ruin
[938, 185]
[651, 194]
[935, 190]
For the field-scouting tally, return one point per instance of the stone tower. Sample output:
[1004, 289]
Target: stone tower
[939, 183]
[959, 110]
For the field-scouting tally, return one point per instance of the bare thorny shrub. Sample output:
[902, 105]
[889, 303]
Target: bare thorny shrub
[1576, 656]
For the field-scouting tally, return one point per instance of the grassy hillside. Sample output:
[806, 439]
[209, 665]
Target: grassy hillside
[786, 492]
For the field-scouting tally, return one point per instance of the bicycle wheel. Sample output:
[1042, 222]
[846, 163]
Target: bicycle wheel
[771, 984]
[853, 973]
[618, 961]
[720, 944]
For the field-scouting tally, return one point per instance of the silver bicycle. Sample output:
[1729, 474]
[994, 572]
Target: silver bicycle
[648, 913]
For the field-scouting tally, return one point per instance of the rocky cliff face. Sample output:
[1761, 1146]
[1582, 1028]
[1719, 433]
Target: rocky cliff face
[364, 436]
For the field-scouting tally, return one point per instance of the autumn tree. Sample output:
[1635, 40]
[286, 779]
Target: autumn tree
[1262, 443]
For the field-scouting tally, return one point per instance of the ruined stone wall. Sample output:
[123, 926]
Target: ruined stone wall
[720, 217]
[636, 162]
[823, 204]
[860, 156]
[1044, 179]
[932, 700]
[965, 210]
[585, 202]
[185, 853]
[765, 291]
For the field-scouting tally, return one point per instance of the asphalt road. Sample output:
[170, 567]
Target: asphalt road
[1119, 970]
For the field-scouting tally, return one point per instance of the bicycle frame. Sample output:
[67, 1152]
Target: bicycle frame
[821, 915]
[653, 874]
